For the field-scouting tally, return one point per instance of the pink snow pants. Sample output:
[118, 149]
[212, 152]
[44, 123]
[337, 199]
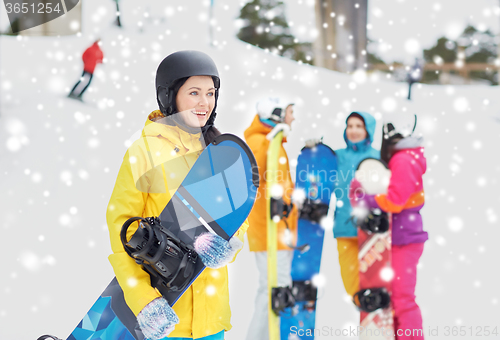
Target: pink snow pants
[407, 316]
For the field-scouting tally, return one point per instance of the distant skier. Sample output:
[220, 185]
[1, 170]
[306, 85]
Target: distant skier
[414, 75]
[404, 154]
[91, 57]
[272, 117]
[358, 136]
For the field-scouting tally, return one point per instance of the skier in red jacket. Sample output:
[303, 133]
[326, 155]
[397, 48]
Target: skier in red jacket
[91, 57]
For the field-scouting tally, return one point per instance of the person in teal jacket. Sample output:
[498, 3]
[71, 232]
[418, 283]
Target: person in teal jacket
[358, 136]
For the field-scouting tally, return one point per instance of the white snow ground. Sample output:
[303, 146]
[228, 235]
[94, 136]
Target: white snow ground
[59, 159]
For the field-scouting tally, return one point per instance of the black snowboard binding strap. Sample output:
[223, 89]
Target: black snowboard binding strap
[304, 291]
[369, 300]
[281, 298]
[280, 209]
[377, 221]
[168, 260]
[313, 211]
[44, 337]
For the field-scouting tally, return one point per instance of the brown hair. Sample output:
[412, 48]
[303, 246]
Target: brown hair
[388, 145]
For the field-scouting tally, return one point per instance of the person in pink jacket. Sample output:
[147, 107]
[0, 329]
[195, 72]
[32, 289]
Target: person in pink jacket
[91, 57]
[404, 155]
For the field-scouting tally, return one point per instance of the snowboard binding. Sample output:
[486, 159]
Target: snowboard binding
[279, 209]
[169, 261]
[307, 292]
[377, 221]
[281, 298]
[44, 337]
[304, 291]
[369, 300]
[313, 211]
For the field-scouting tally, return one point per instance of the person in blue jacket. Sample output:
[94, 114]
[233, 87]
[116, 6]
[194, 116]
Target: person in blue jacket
[358, 136]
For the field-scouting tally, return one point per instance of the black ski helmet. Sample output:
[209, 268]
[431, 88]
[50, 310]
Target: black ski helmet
[183, 64]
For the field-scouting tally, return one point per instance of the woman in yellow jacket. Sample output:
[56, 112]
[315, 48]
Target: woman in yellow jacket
[187, 84]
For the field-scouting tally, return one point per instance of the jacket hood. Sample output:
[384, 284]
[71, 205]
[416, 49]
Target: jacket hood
[158, 125]
[258, 127]
[370, 124]
[409, 143]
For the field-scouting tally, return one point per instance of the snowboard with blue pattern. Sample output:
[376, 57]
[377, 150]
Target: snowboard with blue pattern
[315, 174]
[217, 194]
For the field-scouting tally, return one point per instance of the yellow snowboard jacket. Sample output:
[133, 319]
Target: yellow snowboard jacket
[153, 168]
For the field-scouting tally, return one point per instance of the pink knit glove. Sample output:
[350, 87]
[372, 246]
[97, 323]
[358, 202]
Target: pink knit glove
[356, 192]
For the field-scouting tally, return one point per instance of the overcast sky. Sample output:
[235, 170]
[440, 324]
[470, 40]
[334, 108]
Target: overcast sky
[408, 26]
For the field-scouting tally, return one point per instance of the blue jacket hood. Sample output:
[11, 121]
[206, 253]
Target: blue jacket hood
[370, 124]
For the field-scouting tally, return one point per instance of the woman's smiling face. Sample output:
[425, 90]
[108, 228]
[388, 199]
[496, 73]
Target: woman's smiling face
[195, 100]
[356, 131]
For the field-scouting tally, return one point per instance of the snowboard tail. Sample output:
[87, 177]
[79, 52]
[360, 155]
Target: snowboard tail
[108, 319]
[216, 195]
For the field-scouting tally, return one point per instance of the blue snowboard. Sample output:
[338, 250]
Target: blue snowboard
[316, 171]
[217, 193]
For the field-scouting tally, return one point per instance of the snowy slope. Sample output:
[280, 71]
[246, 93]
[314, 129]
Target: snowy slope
[59, 159]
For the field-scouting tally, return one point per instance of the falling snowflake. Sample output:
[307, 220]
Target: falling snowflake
[18, 134]
[210, 290]
[93, 143]
[36, 177]
[481, 181]
[389, 104]
[318, 280]
[298, 196]
[132, 282]
[66, 177]
[440, 240]
[30, 261]
[80, 117]
[49, 260]
[461, 104]
[455, 224]
[491, 216]
[360, 76]
[326, 223]
[277, 191]
[412, 46]
[65, 220]
[387, 274]
[83, 174]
